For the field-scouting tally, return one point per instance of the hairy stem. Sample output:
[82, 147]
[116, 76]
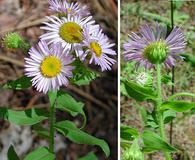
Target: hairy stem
[52, 131]
[173, 72]
[160, 115]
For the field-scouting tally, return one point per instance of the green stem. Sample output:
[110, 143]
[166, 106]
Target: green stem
[52, 130]
[173, 70]
[182, 94]
[52, 97]
[160, 115]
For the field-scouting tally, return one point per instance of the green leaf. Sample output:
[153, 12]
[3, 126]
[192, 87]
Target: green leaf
[11, 154]
[26, 117]
[166, 79]
[52, 97]
[178, 106]
[67, 103]
[168, 116]
[76, 135]
[41, 131]
[128, 133]
[21, 83]
[144, 114]
[153, 142]
[41, 153]
[190, 59]
[138, 92]
[90, 156]
[82, 74]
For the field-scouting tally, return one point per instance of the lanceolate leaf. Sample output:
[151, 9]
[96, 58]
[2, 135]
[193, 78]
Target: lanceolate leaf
[41, 153]
[90, 156]
[21, 83]
[76, 135]
[153, 142]
[67, 103]
[11, 154]
[26, 117]
[128, 133]
[178, 106]
[82, 74]
[138, 92]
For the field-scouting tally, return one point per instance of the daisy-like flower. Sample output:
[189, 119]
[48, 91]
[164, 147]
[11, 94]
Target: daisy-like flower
[98, 48]
[68, 31]
[49, 67]
[153, 46]
[64, 8]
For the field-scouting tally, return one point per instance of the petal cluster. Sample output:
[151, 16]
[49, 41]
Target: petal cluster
[69, 34]
[72, 9]
[171, 46]
[37, 55]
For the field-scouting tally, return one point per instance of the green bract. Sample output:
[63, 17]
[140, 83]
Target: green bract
[156, 52]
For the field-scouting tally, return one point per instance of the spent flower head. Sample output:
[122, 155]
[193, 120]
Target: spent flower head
[133, 153]
[63, 8]
[144, 79]
[49, 67]
[153, 46]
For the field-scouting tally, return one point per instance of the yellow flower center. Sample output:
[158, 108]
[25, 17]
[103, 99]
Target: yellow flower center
[51, 66]
[71, 32]
[96, 48]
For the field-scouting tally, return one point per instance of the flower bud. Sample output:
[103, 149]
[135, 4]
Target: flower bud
[156, 52]
[14, 40]
[133, 153]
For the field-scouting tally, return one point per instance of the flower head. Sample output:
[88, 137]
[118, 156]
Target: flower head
[153, 46]
[49, 67]
[133, 153]
[68, 31]
[98, 48]
[65, 8]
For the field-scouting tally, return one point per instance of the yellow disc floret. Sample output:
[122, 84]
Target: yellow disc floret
[96, 48]
[51, 66]
[71, 32]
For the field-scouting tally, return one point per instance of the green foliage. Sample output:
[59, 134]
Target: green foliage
[153, 142]
[67, 103]
[19, 84]
[41, 153]
[82, 74]
[138, 92]
[178, 106]
[11, 154]
[41, 131]
[89, 156]
[168, 116]
[128, 133]
[69, 129]
[190, 59]
[26, 117]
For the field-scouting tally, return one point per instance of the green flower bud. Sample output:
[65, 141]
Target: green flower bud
[133, 153]
[156, 52]
[14, 41]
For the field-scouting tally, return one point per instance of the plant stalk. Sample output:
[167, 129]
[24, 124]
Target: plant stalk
[52, 130]
[173, 73]
[160, 115]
